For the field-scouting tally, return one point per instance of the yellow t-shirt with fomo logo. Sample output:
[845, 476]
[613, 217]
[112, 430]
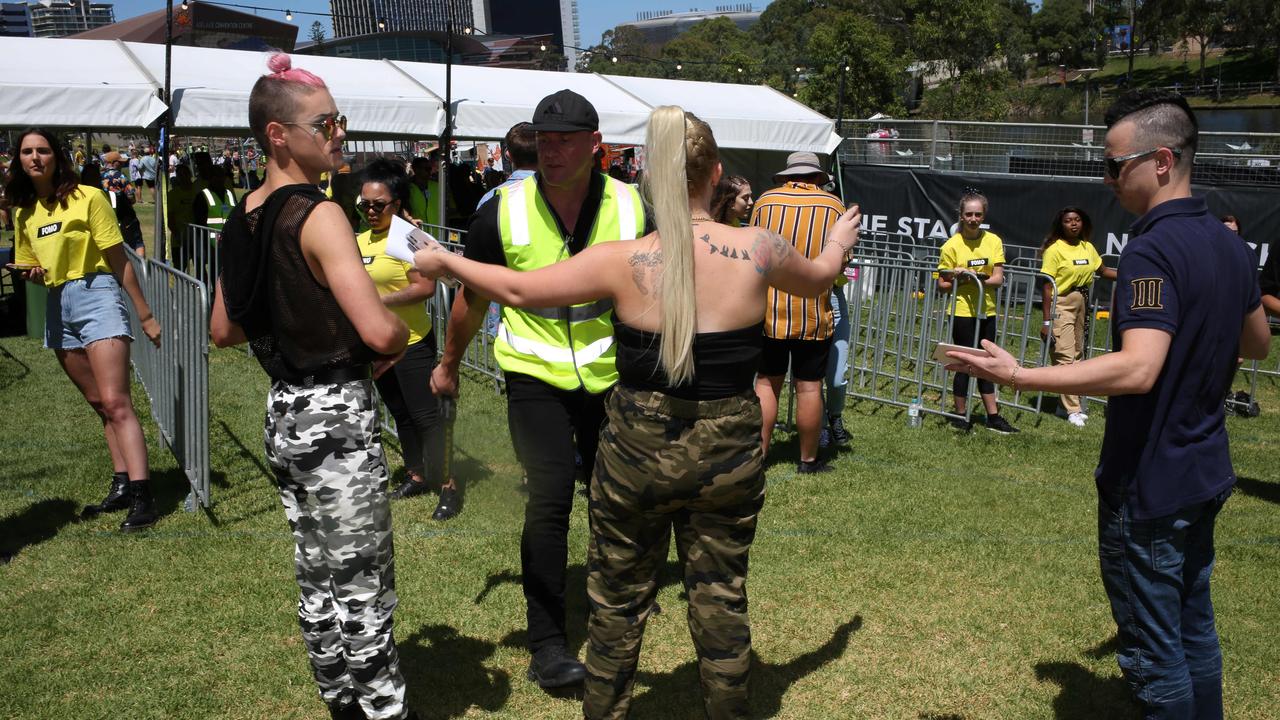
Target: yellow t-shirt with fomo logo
[67, 242]
[980, 256]
[390, 275]
[1071, 265]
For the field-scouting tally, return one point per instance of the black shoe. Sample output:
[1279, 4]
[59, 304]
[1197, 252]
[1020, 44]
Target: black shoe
[961, 424]
[117, 498]
[807, 467]
[450, 504]
[553, 667]
[998, 424]
[409, 488]
[142, 509]
[839, 435]
[348, 710]
[824, 438]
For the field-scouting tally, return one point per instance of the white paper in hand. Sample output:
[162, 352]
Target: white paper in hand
[404, 239]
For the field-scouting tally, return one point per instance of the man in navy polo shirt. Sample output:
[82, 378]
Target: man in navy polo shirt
[1186, 305]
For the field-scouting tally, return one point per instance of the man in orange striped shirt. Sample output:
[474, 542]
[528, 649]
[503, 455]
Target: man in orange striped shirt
[797, 330]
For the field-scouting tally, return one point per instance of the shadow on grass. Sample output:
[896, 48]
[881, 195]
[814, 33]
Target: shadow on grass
[446, 676]
[1084, 695]
[1260, 489]
[681, 688]
[575, 601]
[33, 525]
[13, 370]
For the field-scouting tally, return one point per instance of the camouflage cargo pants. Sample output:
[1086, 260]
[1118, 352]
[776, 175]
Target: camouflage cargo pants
[323, 444]
[696, 467]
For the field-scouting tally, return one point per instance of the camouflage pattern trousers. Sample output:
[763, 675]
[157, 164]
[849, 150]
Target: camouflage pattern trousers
[323, 444]
[695, 467]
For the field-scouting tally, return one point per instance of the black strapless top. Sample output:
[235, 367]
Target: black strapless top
[724, 363]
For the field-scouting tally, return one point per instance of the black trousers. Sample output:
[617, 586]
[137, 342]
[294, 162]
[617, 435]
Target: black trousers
[406, 389]
[962, 334]
[544, 423]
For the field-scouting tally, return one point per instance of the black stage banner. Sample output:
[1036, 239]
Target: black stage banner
[922, 204]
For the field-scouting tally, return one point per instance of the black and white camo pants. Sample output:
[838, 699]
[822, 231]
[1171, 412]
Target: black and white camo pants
[324, 447]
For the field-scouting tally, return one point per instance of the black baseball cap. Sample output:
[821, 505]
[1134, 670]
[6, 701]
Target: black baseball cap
[565, 111]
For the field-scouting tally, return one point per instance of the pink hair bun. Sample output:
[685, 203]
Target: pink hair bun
[282, 69]
[279, 63]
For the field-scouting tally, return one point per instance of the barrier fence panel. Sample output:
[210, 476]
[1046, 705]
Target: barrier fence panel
[479, 353]
[196, 253]
[176, 374]
[898, 316]
[1043, 149]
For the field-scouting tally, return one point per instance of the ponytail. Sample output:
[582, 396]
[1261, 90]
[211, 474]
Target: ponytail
[666, 182]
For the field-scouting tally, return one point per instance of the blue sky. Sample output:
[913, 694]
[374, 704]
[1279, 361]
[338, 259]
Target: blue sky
[594, 16]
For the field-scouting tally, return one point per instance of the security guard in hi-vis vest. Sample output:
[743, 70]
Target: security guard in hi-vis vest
[558, 361]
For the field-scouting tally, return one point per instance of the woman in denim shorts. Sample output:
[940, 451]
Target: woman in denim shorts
[67, 238]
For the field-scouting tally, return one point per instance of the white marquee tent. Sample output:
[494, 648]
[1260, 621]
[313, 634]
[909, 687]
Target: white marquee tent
[103, 84]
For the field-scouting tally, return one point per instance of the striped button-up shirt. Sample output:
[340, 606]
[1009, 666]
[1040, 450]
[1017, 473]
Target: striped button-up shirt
[801, 213]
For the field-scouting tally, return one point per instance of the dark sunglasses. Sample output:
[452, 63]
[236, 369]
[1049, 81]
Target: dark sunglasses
[1116, 164]
[326, 126]
[377, 206]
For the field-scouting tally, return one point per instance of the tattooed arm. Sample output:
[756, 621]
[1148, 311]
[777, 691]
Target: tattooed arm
[589, 275]
[791, 272]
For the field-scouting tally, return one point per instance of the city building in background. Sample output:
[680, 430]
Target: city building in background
[526, 18]
[202, 25]
[60, 18]
[659, 27]
[365, 17]
[15, 20]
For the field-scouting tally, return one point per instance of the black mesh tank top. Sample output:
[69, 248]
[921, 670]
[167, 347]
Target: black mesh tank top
[306, 332]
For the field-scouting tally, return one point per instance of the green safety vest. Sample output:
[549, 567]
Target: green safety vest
[219, 210]
[565, 347]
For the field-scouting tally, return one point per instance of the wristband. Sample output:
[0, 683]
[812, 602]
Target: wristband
[1013, 378]
[1048, 323]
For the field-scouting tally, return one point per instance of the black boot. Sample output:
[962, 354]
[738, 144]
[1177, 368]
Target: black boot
[142, 509]
[349, 710]
[117, 497]
[450, 502]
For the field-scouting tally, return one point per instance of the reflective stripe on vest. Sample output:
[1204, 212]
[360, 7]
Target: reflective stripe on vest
[223, 210]
[566, 347]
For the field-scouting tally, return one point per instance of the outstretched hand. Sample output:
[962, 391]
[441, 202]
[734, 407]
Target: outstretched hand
[430, 260]
[997, 368]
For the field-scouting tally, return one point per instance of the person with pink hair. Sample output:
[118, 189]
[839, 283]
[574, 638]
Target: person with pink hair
[294, 286]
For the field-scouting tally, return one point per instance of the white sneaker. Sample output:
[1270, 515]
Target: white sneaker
[1083, 414]
[1077, 419]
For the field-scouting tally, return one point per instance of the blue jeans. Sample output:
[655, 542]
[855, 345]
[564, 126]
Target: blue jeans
[1156, 574]
[838, 359]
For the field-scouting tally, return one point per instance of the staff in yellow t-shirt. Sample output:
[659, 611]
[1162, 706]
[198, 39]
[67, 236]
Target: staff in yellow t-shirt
[973, 255]
[67, 238]
[406, 388]
[1068, 256]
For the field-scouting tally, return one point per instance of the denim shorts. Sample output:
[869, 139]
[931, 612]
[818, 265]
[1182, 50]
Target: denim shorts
[85, 310]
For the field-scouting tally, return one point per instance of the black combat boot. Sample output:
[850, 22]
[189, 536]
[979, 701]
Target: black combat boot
[117, 497]
[142, 509]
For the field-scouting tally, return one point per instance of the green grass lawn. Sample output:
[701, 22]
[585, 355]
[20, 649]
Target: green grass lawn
[930, 576]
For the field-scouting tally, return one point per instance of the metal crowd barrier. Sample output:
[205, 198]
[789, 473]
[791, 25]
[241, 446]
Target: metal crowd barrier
[898, 316]
[176, 374]
[479, 354]
[196, 252]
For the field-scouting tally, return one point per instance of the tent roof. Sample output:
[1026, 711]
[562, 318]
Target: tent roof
[488, 101]
[211, 91]
[81, 83]
[380, 98]
[741, 116]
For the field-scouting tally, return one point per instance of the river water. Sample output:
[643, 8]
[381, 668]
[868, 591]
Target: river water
[1254, 120]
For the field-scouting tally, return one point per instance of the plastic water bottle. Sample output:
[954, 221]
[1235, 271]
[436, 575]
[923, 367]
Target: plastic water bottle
[915, 414]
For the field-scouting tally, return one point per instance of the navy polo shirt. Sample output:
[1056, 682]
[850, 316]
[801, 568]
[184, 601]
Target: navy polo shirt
[1185, 273]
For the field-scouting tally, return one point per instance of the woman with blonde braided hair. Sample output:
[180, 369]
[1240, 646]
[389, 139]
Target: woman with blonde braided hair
[682, 447]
